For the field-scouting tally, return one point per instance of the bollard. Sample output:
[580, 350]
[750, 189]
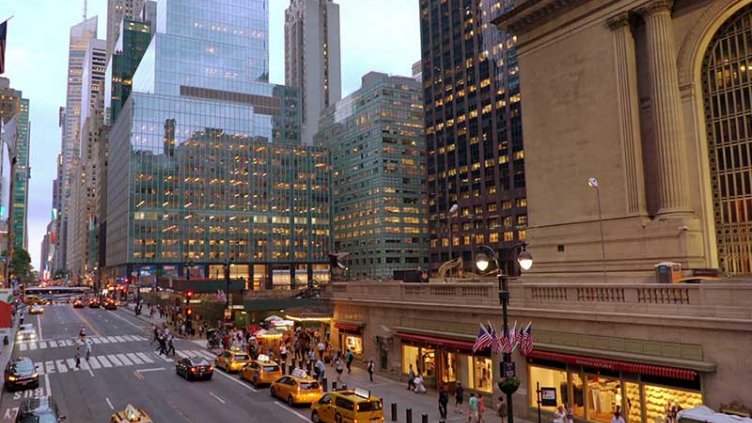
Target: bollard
[424, 418]
[324, 383]
[394, 412]
[409, 415]
[334, 385]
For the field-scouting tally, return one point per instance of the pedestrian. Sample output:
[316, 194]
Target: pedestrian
[348, 360]
[321, 347]
[420, 387]
[472, 405]
[88, 349]
[370, 370]
[617, 416]
[501, 409]
[320, 370]
[410, 378]
[182, 328]
[162, 345]
[481, 409]
[170, 345]
[339, 367]
[311, 359]
[78, 356]
[443, 402]
[560, 414]
[283, 356]
[155, 335]
[569, 418]
[459, 397]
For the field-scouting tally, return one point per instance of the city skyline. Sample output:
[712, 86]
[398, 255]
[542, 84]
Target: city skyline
[364, 48]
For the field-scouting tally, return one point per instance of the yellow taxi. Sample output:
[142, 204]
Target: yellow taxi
[232, 360]
[261, 371]
[131, 414]
[348, 406]
[297, 388]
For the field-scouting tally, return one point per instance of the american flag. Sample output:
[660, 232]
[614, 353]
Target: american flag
[497, 344]
[526, 344]
[512, 339]
[484, 339]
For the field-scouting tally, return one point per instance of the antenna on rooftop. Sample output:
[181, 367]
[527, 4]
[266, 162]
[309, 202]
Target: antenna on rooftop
[85, 7]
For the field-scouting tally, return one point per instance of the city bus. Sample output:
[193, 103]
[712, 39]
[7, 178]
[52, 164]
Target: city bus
[51, 292]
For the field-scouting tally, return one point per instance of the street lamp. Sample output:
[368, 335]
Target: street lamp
[593, 183]
[483, 260]
[452, 210]
[228, 263]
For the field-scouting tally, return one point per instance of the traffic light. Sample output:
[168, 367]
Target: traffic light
[188, 297]
[189, 313]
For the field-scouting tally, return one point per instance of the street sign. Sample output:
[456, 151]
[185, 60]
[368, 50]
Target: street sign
[548, 397]
[508, 370]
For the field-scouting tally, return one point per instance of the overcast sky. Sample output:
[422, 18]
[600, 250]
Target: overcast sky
[380, 35]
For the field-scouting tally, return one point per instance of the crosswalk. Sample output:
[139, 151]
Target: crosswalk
[69, 342]
[115, 360]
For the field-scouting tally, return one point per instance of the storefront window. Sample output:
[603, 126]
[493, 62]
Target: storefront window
[548, 378]
[633, 413]
[578, 395]
[427, 366]
[449, 367]
[661, 402]
[355, 344]
[409, 358]
[603, 396]
[483, 376]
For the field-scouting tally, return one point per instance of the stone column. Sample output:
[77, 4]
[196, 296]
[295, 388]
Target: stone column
[629, 118]
[673, 189]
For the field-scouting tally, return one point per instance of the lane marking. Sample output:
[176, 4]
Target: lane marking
[110, 404]
[284, 407]
[138, 375]
[244, 385]
[155, 369]
[39, 325]
[218, 398]
[129, 322]
[86, 322]
[47, 384]
[91, 373]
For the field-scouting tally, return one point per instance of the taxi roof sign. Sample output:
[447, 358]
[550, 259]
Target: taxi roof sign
[299, 373]
[363, 393]
[263, 358]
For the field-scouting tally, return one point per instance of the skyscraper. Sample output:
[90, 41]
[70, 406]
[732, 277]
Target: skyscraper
[312, 58]
[80, 36]
[205, 161]
[473, 129]
[375, 136]
[13, 105]
[117, 10]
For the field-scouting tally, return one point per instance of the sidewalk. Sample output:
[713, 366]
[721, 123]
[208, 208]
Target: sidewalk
[7, 350]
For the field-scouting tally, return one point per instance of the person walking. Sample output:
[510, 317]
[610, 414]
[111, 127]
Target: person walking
[87, 343]
[617, 416]
[283, 357]
[560, 414]
[411, 378]
[472, 406]
[155, 337]
[170, 345]
[501, 409]
[481, 409]
[339, 367]
[443, 402]
[459, 397]
[569, 417]
[321, 347]
[78, 356]
[370, 370]
[348, 360]
[320, 370]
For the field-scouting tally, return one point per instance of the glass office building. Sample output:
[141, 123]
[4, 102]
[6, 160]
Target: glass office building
[205, 161]
[375, 136]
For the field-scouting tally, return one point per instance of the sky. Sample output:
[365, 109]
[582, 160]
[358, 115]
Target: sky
[376, 35]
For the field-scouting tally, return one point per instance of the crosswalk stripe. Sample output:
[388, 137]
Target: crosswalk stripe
[94, 363]
[71, 364]
[69, 342]
[22, 347]
[42, 345]
[144, 357]
[162, 357]
[96, 340]
[118, 339]
[60, 366]
[49, 366]
[104, 362]
[124, 359]
[134, 358]
[129, 338]
[105, 340]
[33, 346]
[140, 338]
[116, 362]
[182, 354]
[40, 367]
[209, 356]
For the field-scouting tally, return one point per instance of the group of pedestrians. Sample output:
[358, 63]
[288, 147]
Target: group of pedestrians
[164, 339]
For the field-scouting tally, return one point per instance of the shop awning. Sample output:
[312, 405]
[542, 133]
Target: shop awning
[348, 326]
[625, 366]
[436, 340]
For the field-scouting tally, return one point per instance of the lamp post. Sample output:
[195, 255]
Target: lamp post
[228, 263]
[482, 261]
[593, 183]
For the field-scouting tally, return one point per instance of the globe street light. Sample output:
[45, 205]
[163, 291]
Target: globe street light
[482, 261]
[452, 210]
[593, 183]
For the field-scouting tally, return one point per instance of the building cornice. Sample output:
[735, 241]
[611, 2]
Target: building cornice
[531, 12]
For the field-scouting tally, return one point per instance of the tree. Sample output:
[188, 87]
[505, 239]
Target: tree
[21, 264]
[61, 274]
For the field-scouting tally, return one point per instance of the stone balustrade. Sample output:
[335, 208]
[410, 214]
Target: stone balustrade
[731, 300]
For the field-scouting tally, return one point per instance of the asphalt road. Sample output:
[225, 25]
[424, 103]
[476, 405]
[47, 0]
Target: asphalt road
[124, 369]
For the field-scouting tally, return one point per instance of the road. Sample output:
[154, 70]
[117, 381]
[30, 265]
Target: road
[125, 370]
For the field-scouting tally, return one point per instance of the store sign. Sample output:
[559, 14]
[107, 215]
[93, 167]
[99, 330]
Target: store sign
[508, 370]
[548, 397]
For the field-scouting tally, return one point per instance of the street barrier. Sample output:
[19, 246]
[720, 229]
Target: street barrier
[424, 418]
[394, 412]
[409, 415]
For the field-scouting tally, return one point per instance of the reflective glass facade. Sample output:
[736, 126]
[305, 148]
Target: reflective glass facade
[205, 161]
[375, 136]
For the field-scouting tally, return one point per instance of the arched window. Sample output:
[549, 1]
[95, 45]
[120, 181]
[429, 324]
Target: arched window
[727, 93]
